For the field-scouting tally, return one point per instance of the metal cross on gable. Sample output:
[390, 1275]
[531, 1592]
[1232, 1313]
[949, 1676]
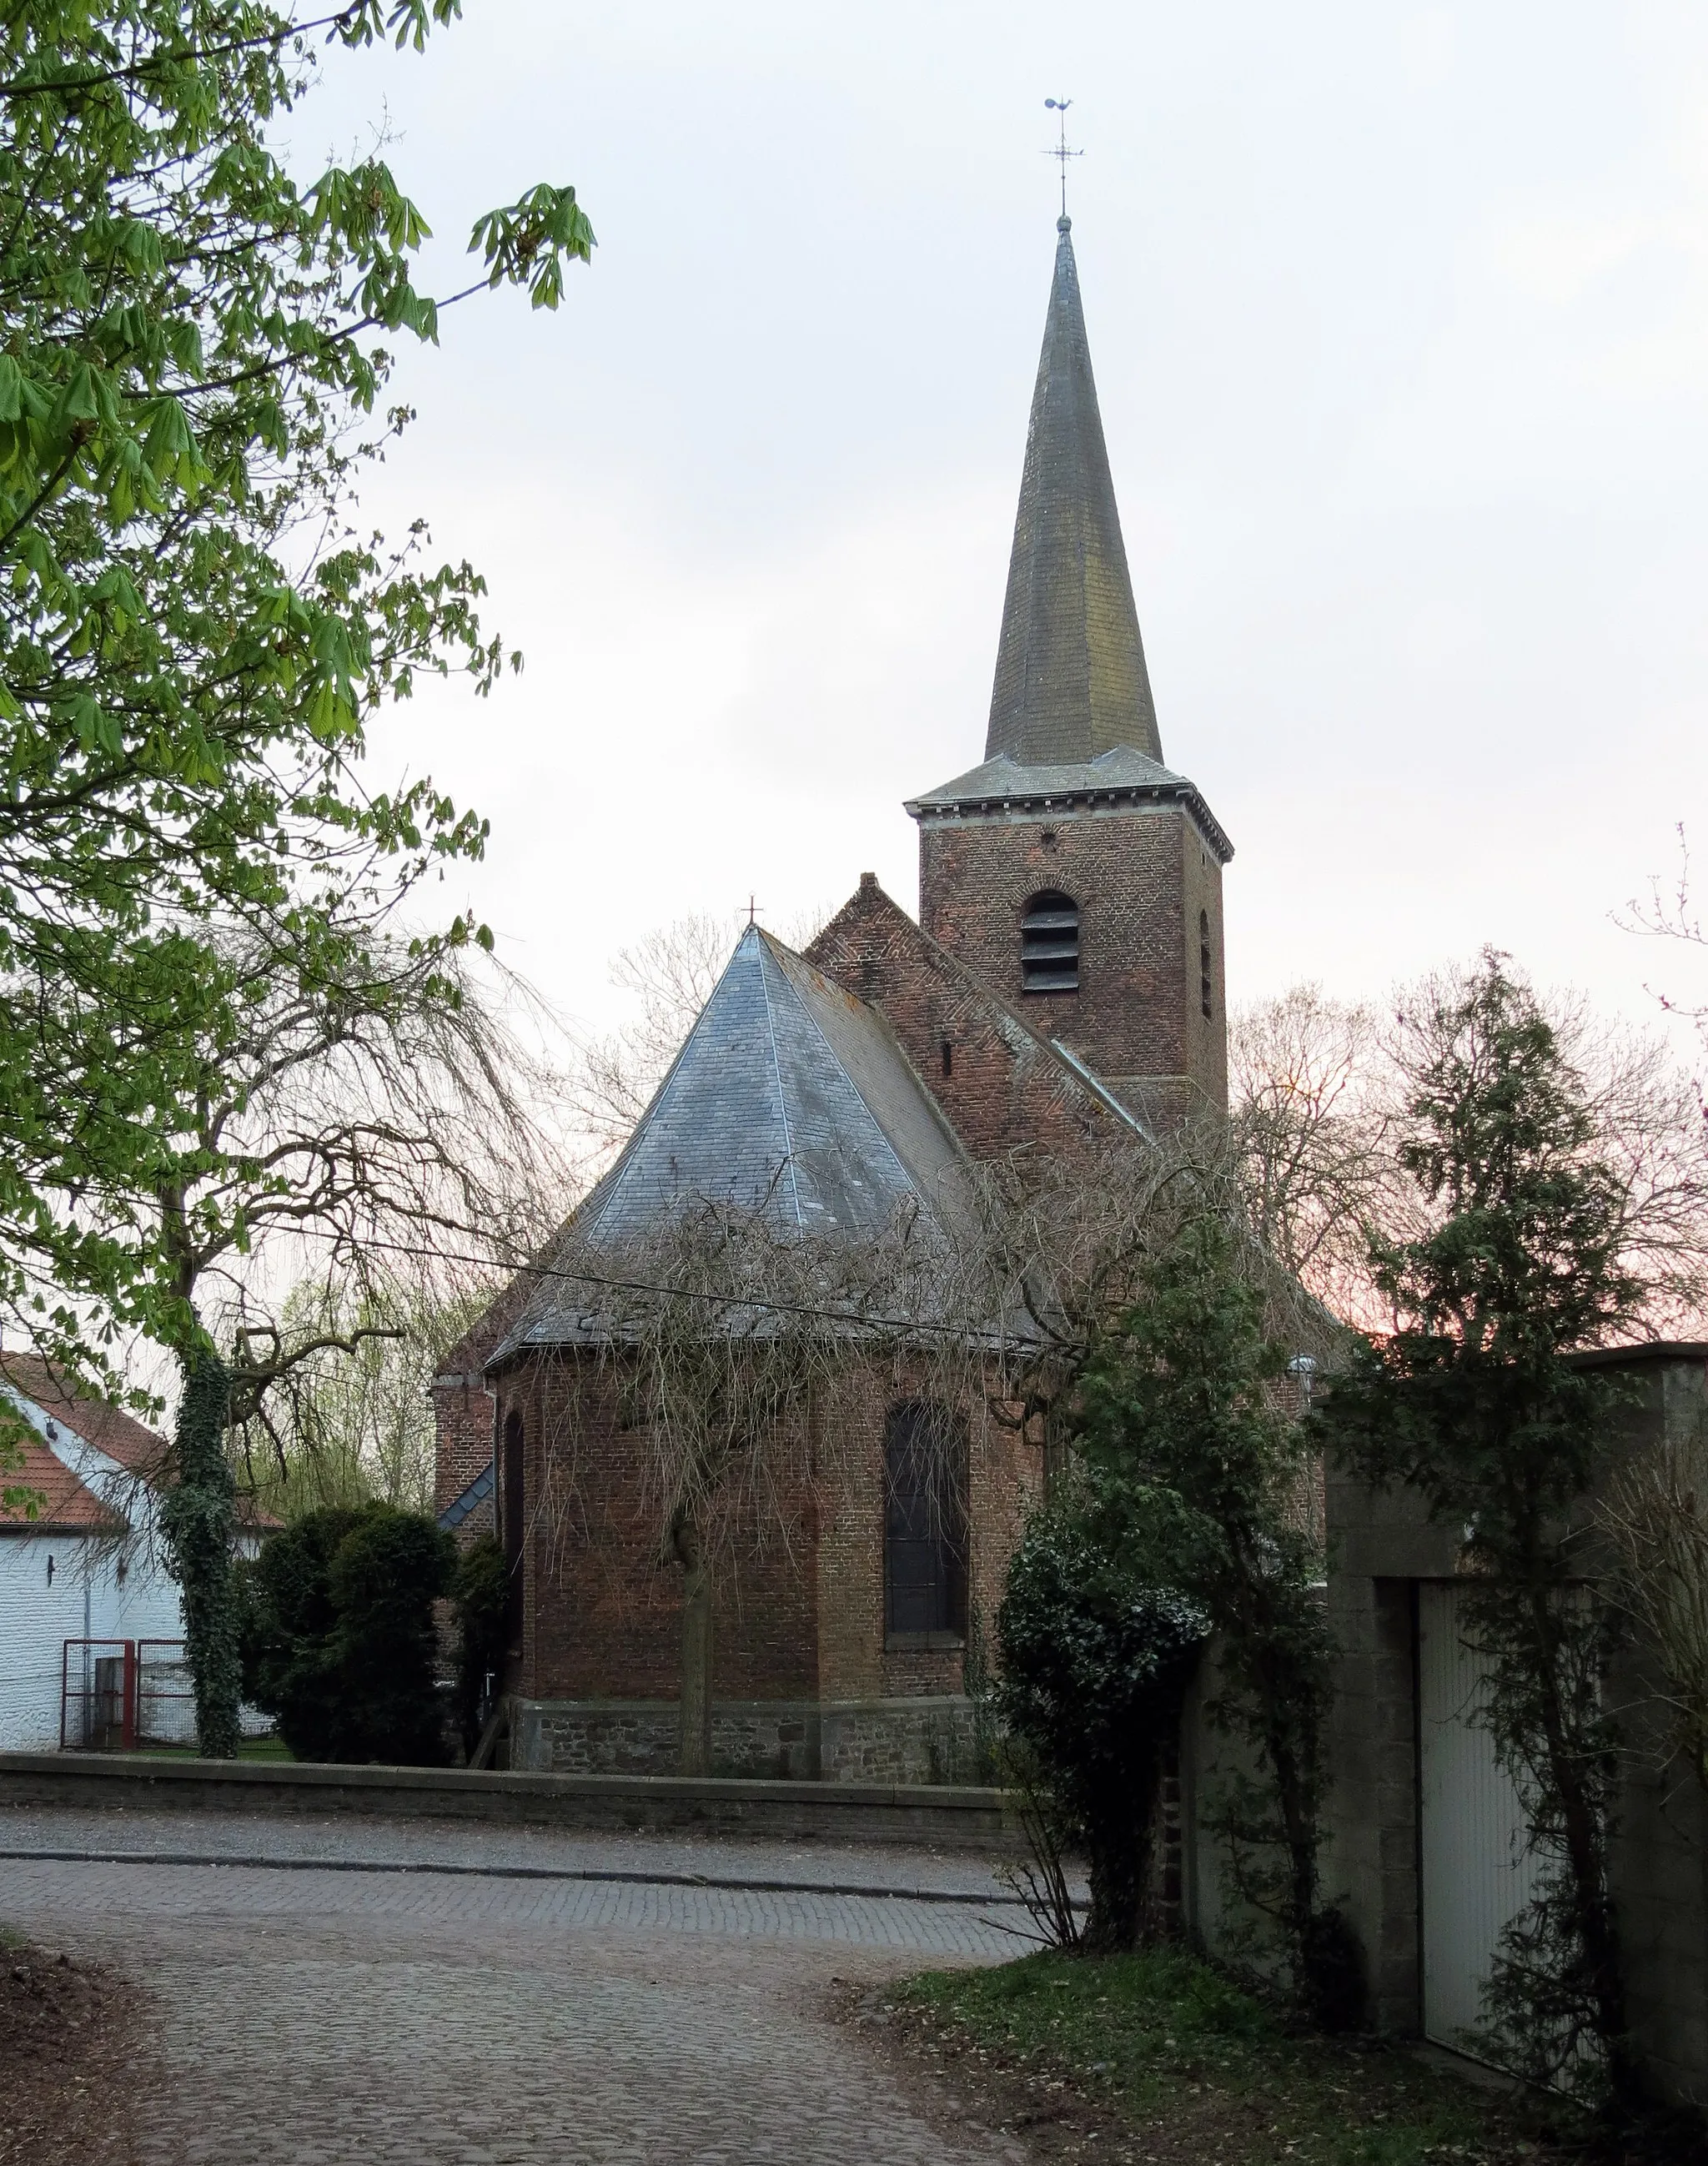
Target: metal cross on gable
[1059, 149]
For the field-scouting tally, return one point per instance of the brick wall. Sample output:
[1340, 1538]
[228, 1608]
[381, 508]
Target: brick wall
[1001, 1087]
[464, 1411]
[601, 1600]
[799, 1612]
[1141, 877]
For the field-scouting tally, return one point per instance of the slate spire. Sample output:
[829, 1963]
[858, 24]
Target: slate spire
[1071, 677]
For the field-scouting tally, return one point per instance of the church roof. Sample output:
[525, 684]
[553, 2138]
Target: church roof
[790, 1097]
[1120, 776]
[1071, 678]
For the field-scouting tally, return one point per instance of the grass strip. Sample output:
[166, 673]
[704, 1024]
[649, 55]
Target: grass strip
[1177, 2062]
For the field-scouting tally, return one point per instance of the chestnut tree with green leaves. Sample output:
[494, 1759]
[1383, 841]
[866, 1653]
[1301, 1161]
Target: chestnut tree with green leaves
[194, 633]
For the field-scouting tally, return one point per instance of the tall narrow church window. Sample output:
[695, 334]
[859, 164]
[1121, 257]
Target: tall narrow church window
[1205, 988]
[1049, 944]
[514, 1524]
[925, 1512]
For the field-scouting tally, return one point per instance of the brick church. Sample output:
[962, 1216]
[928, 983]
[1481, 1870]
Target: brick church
[1063, 979]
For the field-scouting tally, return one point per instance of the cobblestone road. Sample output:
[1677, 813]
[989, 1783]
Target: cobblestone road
[419, 2020]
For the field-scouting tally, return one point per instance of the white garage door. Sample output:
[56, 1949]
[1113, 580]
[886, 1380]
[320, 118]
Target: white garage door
[1477, 1876]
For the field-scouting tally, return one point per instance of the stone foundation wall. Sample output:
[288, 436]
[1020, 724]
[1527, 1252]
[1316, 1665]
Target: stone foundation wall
[872, 1742]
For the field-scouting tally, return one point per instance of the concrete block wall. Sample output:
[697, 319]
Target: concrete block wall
[1658, 1873]
[1370, 1860]
[1385, 1547]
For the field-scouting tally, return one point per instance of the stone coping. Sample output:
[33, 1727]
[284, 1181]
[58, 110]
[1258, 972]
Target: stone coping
[958, 1815]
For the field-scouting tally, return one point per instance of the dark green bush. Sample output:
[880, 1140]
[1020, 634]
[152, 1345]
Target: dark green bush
[479, 1591]
[289, 1619]
[339, 1642]
[1094, 1671]
[386, 1575]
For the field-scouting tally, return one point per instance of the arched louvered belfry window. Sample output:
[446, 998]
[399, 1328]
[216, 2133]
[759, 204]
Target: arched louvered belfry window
[925, 1522]
[1050, 943]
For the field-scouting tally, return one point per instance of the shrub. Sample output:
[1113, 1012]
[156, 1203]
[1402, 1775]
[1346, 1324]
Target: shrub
[339, 1643]
[287, 1624]
[1094, 1670]
[386, 1575]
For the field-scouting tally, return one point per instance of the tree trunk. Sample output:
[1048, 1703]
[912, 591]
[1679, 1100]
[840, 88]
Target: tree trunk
[1585, 1833]
[200, 1522]
[1117, 1847]
[1121, 1827]
[694, 1753]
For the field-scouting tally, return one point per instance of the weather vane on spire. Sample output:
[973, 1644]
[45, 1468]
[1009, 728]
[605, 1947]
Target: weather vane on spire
[1059, 107]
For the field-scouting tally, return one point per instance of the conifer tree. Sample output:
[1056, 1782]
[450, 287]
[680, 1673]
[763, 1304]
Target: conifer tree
[1474, 1401]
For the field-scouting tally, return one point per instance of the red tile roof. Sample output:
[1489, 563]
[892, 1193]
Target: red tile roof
[62, 1501]
[108, 1428]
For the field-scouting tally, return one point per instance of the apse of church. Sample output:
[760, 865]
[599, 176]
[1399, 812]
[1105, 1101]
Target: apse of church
[1063, 983]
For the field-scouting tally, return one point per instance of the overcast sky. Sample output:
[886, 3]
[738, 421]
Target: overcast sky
[1400, 322]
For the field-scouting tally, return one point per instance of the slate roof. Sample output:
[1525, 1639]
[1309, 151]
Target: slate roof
[475, 1495]
[1071, 679]
[790, 1097]
[1119, 776]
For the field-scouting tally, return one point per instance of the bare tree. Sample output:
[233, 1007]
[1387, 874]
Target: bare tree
[343, 1427]
[1656, 1513]
[1314, 1102]
[367, 1099]
[1318, 1108]
[668, 974]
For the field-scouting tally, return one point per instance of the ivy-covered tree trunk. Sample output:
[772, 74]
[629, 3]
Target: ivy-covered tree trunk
[199, 1521]
[1584, 1823]
[1549, 1715]
[694, 1751]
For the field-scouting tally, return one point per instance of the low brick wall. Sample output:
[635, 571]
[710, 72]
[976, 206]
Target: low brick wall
[942, 1817]
[883, 1741]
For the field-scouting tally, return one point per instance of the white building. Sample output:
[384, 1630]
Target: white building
[88, 1569]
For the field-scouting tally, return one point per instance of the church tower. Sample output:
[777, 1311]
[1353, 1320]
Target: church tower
[1073, 873]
